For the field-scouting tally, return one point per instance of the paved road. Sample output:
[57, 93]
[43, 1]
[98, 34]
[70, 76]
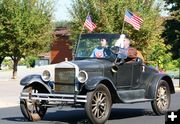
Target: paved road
[139, 113]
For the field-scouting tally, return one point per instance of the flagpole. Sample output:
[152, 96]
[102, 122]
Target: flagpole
[122, 27]
[123, 24]
[77, 43]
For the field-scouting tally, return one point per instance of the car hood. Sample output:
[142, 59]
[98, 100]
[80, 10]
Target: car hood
[93, 67]
[90, 64]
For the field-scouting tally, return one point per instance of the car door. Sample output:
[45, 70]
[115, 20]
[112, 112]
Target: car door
[128, 75]
[124, 76]
[136, 74]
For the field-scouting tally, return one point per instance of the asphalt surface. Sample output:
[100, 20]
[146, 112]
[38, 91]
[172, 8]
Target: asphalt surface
[139, 113]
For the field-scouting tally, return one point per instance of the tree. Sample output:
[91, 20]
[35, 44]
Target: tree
[109, 15]
[2, 54]
[25, 28]
[1, 60]
[172, 26]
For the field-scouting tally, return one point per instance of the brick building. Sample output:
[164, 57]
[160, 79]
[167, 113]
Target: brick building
[61, 47]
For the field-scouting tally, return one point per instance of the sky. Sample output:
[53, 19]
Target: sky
[61, 12]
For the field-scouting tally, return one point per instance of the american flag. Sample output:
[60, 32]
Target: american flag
[132, 19]
[89, 24]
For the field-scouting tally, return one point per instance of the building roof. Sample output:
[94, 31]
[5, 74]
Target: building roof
[45, 54]
[62, 31]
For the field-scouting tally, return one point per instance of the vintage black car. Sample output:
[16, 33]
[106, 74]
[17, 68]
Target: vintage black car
[95, 83]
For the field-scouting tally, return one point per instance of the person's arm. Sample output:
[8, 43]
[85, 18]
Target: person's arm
[93, 53]
[140, 55]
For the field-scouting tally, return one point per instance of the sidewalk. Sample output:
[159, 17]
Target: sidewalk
[10, 89]
[9, 93]
[22, 72]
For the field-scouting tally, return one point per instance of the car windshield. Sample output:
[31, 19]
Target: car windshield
[88, 43]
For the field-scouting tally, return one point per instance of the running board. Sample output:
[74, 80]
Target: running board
[137, 100]
[133, 96]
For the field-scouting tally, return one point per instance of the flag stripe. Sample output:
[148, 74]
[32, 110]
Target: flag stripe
[134, 24]
[89, 24]
[132, 19]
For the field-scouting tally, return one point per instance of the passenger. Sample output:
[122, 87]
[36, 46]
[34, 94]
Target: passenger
[130, 53]
[101, 51]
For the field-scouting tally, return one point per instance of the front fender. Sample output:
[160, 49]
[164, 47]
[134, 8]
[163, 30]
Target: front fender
[153, 84]
[93, 82]
[31, 79]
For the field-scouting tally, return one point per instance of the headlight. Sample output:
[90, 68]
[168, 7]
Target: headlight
[83, 76]
[46, 75]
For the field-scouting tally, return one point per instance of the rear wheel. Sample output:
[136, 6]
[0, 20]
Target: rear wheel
[32, 109]
[162, 99]
[98, 105]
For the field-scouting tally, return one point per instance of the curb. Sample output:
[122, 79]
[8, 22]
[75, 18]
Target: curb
[177, 89]
[7, 105]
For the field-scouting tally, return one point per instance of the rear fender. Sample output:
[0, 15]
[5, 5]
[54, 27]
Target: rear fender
[153, 84]
[35, 80]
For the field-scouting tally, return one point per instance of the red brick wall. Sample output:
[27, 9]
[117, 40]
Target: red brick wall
[61, 49]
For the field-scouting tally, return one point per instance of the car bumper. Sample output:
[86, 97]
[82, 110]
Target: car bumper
[54, 98]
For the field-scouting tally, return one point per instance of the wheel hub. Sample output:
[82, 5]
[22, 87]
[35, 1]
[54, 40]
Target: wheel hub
[162, 100]
[98, 107]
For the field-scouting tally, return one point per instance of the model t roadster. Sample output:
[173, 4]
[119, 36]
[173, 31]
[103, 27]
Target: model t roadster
[95, 83]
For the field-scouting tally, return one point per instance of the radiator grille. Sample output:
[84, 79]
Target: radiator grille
[64, 80]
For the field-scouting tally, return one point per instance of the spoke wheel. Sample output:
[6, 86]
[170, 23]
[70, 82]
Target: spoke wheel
[98, 106]
[32, 109]
[161, 102]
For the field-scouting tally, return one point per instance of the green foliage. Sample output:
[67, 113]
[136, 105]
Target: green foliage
[109, 16]
[30, 61]
[171, 33]
[159, 57]
[25, 27]
[7, 63]
[173, 65]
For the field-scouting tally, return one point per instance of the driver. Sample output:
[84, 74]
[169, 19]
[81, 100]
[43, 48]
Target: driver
[101, 51]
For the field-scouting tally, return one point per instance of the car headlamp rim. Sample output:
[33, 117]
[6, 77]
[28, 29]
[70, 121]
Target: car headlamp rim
[46, 75]
[82, 76]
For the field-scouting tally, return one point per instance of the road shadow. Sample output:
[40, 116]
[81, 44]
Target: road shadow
[78, 116]
[15, 119]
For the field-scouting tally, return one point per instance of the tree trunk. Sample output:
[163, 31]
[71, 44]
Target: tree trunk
[15, 64]
[1, 60]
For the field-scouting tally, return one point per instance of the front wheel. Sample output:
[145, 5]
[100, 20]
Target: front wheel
[162, 99]
[32, 109]
[98, 105]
